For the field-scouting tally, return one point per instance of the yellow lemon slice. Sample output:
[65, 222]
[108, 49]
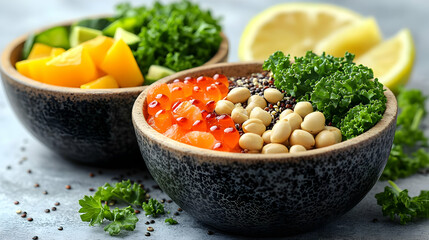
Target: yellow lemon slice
[392, 60]
[292, 28]
[356, 38]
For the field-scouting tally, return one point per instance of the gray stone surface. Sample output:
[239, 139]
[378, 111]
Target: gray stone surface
[21, 151]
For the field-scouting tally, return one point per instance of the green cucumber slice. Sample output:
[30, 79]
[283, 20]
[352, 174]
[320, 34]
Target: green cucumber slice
[157, 72]
[82, 34]
[55, 37]
[94, 23]
[28, 45]
[128, 37]
[125, 23]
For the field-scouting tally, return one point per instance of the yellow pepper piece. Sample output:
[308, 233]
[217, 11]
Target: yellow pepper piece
[57, 51]
[103, 82]
[39, 50]
[33, 68]
[98, 47]
[121, 64]
[73, 68]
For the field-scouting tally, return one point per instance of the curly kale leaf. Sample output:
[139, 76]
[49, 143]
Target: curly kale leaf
[123, 219]
[396, 203]
[153, 207]
[178, 36]
[335, 86]
[124, 191]
[361, 117]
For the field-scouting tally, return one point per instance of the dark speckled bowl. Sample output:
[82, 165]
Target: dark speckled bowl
[274, 194]
[89, 126]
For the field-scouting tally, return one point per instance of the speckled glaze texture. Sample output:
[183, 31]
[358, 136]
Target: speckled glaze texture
[272, 194]
[89, 126]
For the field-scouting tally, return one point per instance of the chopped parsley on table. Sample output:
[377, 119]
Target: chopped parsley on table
[95, 208]
[344, 92]
[397, 204]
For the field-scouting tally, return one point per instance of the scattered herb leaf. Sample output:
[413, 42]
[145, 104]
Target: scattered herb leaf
[93, 211]
[396, 203]
[125, 191]
[408, 154]
[123, 219]
[171, 221]
[153, 207]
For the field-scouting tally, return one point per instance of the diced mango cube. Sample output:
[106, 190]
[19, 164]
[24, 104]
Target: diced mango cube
[33, 68]
[57, 51]
[103, 82]
[98, 47]
[39, 50]
[73, 68]
[121, 64]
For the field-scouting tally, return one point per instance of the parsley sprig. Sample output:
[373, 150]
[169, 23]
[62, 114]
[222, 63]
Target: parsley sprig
[408, 153]
[95, 212]
[396, 203]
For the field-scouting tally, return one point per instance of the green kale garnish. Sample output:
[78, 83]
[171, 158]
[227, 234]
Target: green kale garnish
[95, 212]
[408, 154]
[153, 208]
[171, 221]
[177, 35]
[396, 203]
[345, 93]
[123, 219]
[124, 191]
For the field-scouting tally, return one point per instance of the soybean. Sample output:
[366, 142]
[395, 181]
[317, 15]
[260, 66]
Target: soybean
[313, 123]
[251, 141]
[294, 119]
[239, 115]
[301, 137]
[303, 108]
[262, 115]
[280, 132]
[238, 95]
[273, 95]
[297, 148]
[254, 125]
[259, 101]
[336, 132]
[267, 136]
[224, 107]
[325, 138]
[285, 113]
[274, 148]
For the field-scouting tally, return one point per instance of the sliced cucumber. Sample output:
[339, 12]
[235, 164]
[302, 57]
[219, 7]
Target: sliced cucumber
[82, 34]
[95, 23]
[28, 45]
[157, 72]
[55, 37]
[126, 23]
[128, 37]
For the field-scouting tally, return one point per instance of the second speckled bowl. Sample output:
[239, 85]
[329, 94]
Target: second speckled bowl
[274, 194]
[89, 126]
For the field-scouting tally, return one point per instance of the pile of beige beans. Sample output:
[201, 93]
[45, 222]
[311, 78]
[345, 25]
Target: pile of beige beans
[296, 130]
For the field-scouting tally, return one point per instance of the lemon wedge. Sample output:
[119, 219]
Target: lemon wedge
[356, 38]
[392, 60]
[292, 28]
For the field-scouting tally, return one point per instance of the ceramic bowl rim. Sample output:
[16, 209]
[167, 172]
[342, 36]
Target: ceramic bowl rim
[9, 70]
[143, 128]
